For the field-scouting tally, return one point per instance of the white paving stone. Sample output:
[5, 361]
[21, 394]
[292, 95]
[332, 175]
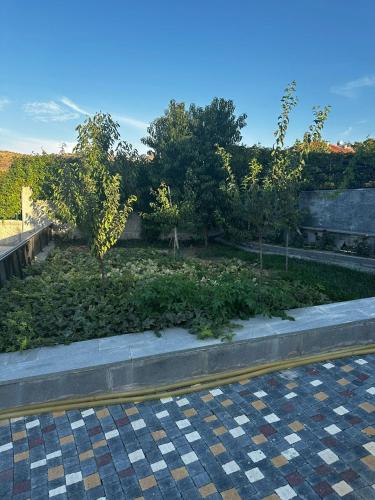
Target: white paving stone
[33, 423]
[38, 463]
[86, 413]
[216, 392]
[77, 424]
[342, 488]
[329, 366]
[6, 447]
[292, 438]
[231, 467]
[256, 456]
[341, 410]
[74, 477]
[332, 429]
[162, 414]
[290, 453]
[166, 400]
[260, 394]
[189, 458]
[111, 434]
[370, 447]
[371, 391]
[137, 455]
[271, 418]
[193, 436]
[328, 456]
[254, 475]
[57, 491]
[166, 448]
[361, 361]
[182, 402]
[54, 454]
[290, 395]
[138, 424]
[237, 432]
[158, 466]
[285, 492]
[181, 424]
[241, 419]
[315, 383]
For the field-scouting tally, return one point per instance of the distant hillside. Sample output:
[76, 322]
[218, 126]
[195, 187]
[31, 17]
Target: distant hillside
[6, 158]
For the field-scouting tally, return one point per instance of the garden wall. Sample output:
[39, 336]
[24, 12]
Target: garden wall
[348, 214]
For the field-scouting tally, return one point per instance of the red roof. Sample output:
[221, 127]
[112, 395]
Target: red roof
[335, 148]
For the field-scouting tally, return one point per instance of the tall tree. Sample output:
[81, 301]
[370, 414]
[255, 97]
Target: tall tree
[86, 195]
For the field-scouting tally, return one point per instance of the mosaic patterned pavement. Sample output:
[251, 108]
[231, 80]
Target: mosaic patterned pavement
[303, 433]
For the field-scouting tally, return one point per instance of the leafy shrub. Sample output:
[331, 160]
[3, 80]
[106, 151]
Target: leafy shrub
[63, 299]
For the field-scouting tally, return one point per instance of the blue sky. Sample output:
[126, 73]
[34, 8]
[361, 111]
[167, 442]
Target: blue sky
[62, 60]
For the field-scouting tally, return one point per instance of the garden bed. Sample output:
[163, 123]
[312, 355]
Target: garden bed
[64, 299]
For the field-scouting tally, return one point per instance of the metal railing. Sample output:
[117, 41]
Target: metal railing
[13, 262]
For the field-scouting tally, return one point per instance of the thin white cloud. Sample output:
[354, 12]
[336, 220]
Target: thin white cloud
[12, 141]
[347, 132]
[127, 120]
[72, 105]
[3, 102]
[351, 88]
[49, 111]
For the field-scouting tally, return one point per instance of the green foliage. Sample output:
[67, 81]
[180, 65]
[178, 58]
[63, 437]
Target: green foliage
[25, 170]
[63, 299]
[85, 194]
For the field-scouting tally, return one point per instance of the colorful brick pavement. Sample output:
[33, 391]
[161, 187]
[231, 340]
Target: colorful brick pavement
[302, 433]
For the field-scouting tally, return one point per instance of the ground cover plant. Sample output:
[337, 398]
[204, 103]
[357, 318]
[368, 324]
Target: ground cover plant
[64, 298]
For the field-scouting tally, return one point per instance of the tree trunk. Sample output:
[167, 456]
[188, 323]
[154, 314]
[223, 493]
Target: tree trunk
[101, 265]
[205, 237]
[287, 250]
[261, 252]
[176, 245]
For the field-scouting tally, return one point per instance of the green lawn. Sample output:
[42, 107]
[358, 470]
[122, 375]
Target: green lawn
[64, 299]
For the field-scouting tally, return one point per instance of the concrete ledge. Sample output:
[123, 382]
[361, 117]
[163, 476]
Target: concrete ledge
[132, 361]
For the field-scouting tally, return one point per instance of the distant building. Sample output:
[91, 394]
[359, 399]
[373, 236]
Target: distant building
[340, 148]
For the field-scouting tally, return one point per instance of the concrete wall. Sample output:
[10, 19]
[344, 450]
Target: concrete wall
[133, 228]
[10, 229]
[350, 210]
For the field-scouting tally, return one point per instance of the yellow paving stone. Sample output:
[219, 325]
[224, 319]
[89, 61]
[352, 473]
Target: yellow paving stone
[227, 402]
[217, 449]
[369, 431]
[157, 435]
[139, 498]
[343, 381]
[207, 398]
[99, 444]
[369, 461]
[347, 368]
[291, 385]
[86, 455]
[57, 414]
[296, 426]
[367, 407]
[220, 430]
[272, 497]
[244, 381]
[147, 482]
[258, 404]
[131, 411]
[179, 473]
[279, 461]
[18, 435]
[92, 481]
[18, 457]
[66, 440]
[191, 412]
[230, 494]
[102, 413]
[259, 439]
[55, 472]
[321, 396]
[207, 490]
[211, 418]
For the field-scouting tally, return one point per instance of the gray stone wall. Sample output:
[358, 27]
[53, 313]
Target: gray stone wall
[351, 210]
